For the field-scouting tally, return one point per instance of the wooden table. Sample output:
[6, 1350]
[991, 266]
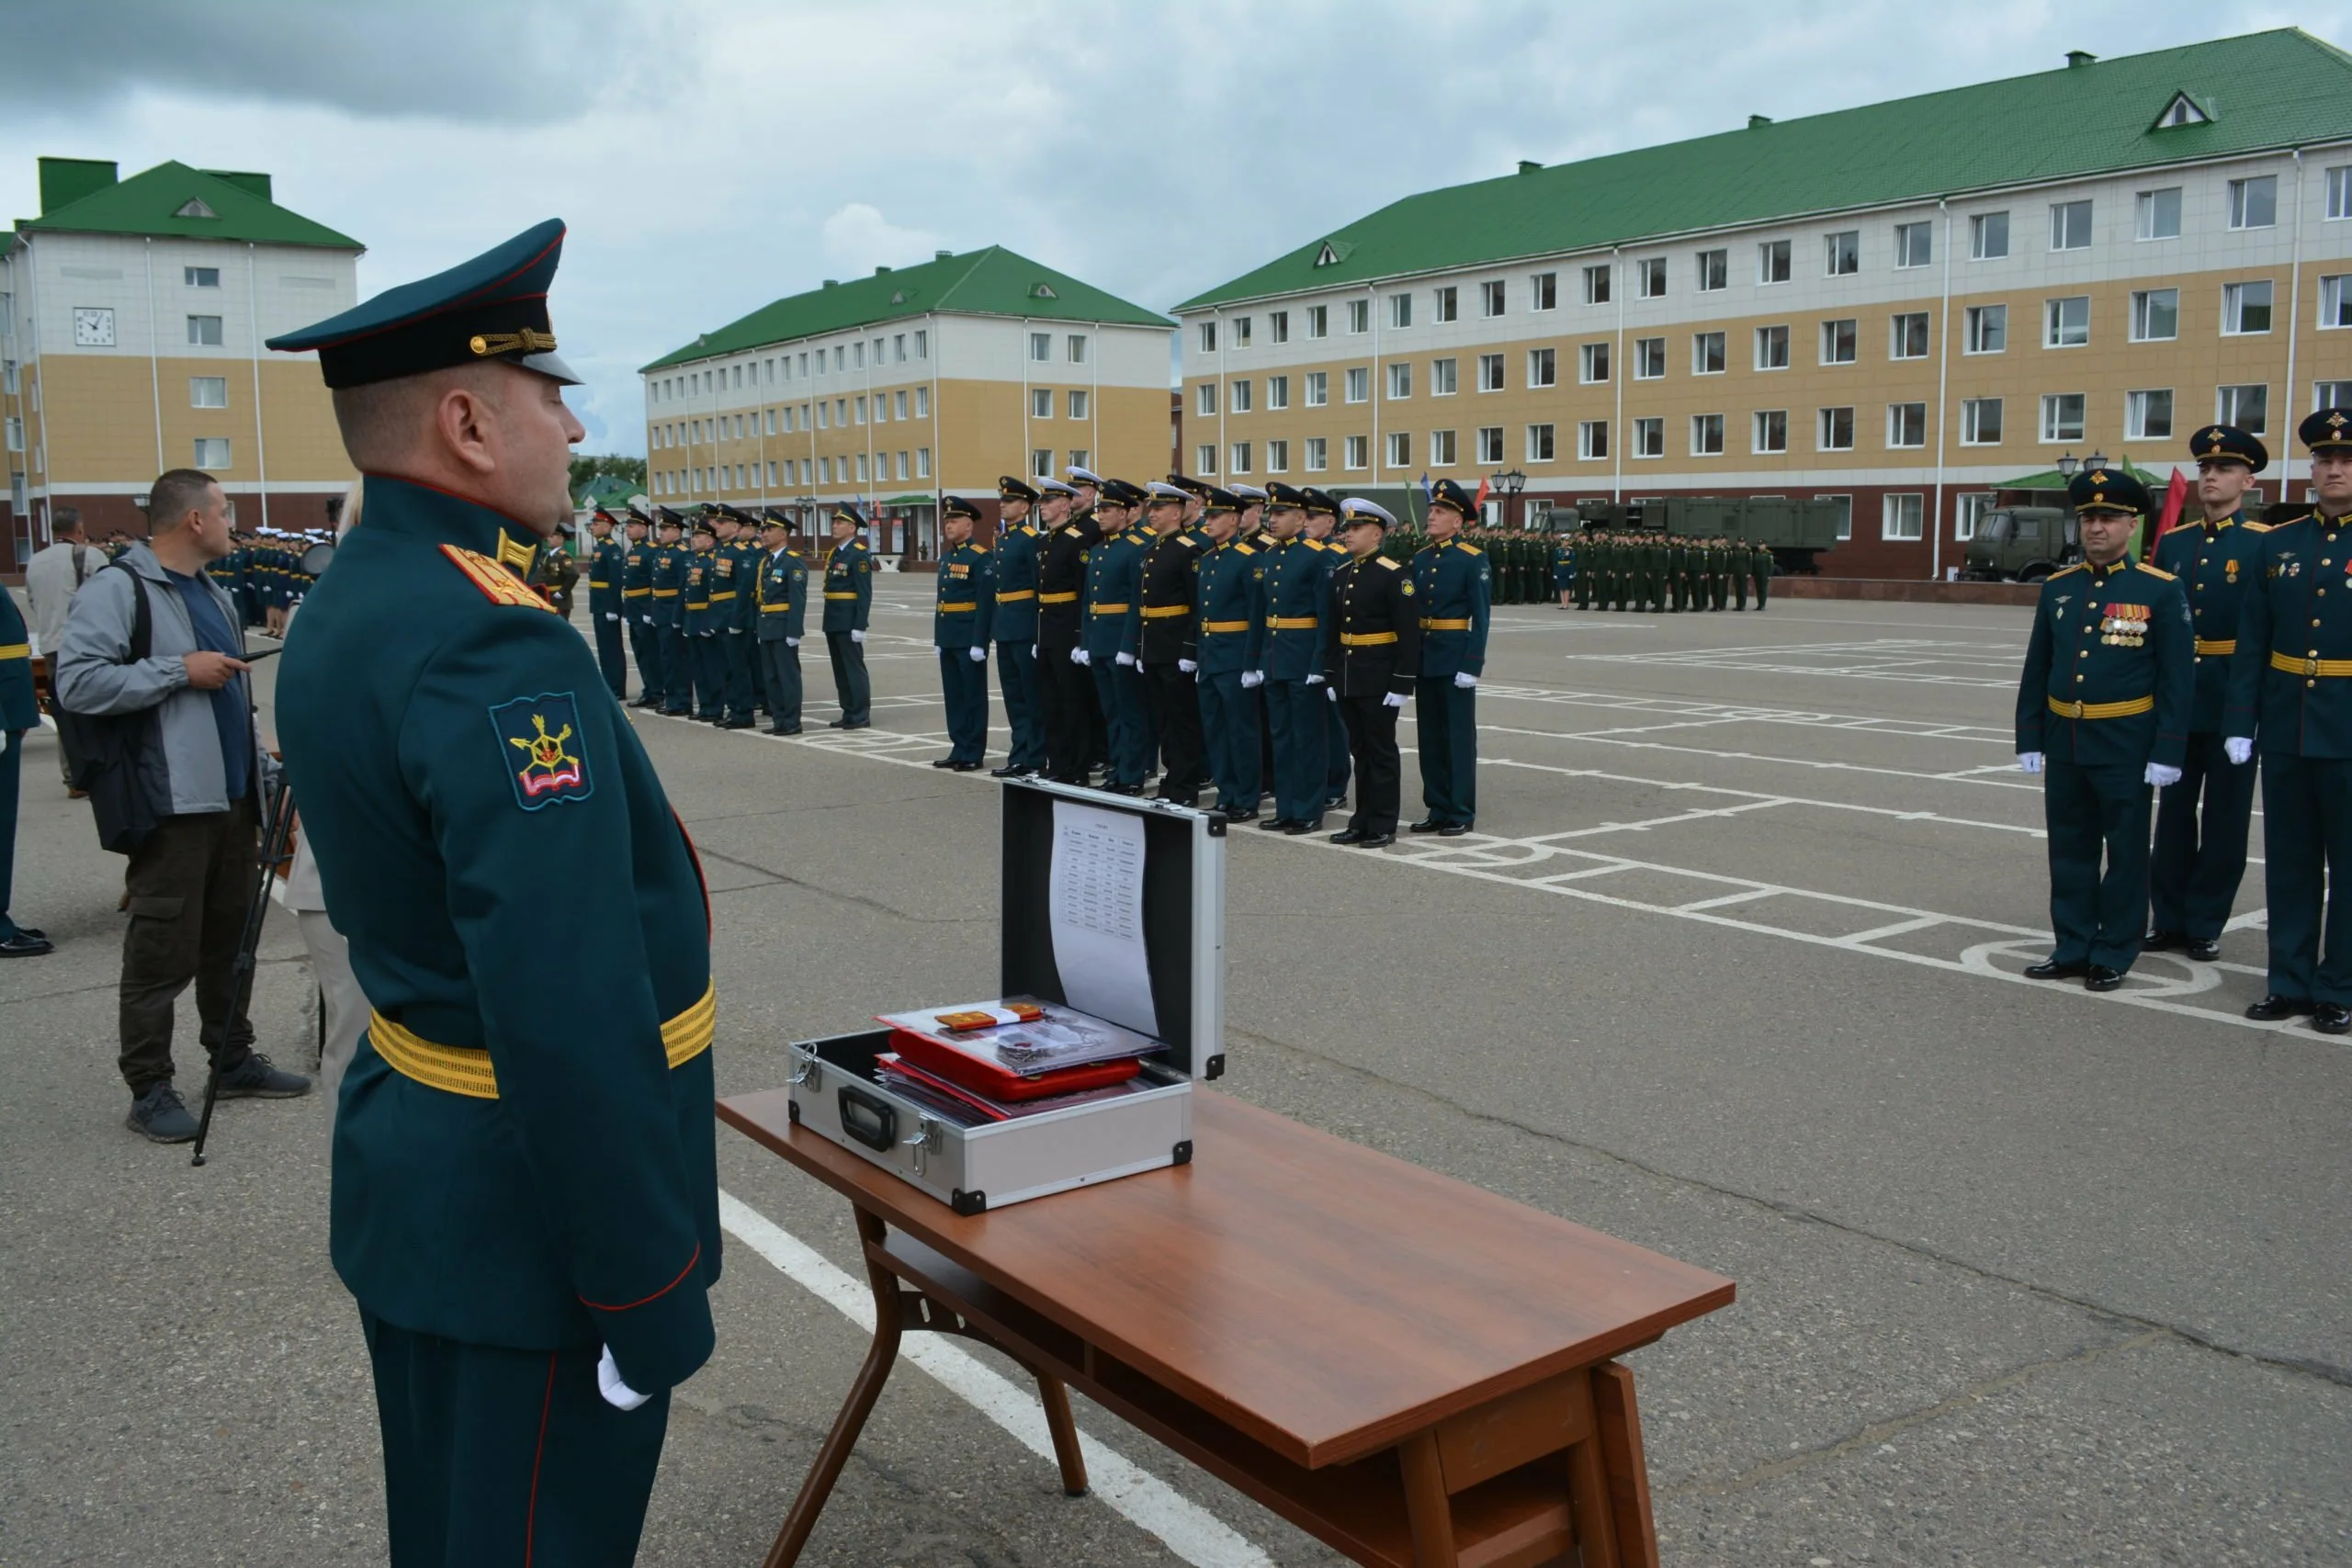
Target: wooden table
[1414, 1370]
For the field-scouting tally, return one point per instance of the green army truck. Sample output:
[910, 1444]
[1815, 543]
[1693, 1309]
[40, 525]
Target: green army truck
[1796, 532]
[2022, 544]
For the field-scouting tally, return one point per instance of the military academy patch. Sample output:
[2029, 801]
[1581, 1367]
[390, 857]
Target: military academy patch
[539, 741]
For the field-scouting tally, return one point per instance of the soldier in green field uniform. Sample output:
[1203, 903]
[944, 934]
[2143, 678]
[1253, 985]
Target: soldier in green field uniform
[1736, 553]
[2103, 706]
[525, 1199]
[1759, 573]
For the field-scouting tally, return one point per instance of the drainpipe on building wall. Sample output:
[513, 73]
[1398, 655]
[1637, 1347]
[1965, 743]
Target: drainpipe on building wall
[874, 480]
[252, 322]
[39, 449]
[1028, 437]
[1372, 386]
[1095, 401]
[938, 341]
[1225, 384]
[2294, 330]
[155, 372]
[1617, 421]
[1943, 363]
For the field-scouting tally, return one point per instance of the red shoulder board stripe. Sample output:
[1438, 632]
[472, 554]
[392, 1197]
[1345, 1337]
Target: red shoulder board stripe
[497, 584]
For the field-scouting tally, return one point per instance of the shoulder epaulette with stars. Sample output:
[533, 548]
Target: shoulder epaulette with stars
[497, 584]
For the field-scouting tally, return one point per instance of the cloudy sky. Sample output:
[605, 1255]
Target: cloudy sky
[711, 155]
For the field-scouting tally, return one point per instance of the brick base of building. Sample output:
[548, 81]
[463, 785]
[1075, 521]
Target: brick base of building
[1906, 591]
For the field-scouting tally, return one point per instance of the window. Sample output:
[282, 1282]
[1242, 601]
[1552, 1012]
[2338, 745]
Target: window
[2339, 191]
[1075, 345]
[1979, 422]
[1041, 463]
[1277, 457]
[212, 452]
[1041, 346]
[1772, 262]
[2067, 323]
[1542, 368]
[1592, 440]
[2062, 416]
[1078, 458]
[1446, 304]
[1835, 430]
[1444, 377]
[1899, 518]
[1490, 298]
[1240, 457]
[1078, 405]
[1400, 450]
[1204, 459]
[2070, 225]
[1359, 316]
[1592, 363]
[922, 454]
[1356, 452]
[1915, 245]
[1205, 400]
[205, 330]
[1544, 291]
[1242, 396]
[1490, 373]
[2253, 202]
[2147, 416]
[1401, 311]
[1441, 448]
[1772, 348]
[1278, 326]
[1973, 508]
[1490, 443]
[1649, 438]
[1713, 271]
[2245, 307]
[1542, 443]
[2334, 304]
[207, 391]
[1319, 389]
[1706, 436]
[1906, 336]
[1278, 391]
[1837, 342]
[1988, 329]
[16, 433]
[1241, 332]
[1596, 285]
[1907, 424]
[1842, 253]
[1041, 403]
[201, 277]
[1319, 455]
[1208, 337]
[2248, 408]
[922, 395]
[1988, 236]
[2156, 315]
[1706, 353]
[2155, 214]
[1845, 514]
[1649, 278]
[1400, 380]
[1649, 358]
[2331, 394]
[1358, 384]
[1770, 432]
[1318, 321]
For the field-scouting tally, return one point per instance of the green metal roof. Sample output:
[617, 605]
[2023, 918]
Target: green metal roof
[152, 203]
[992, 282]
[2050, 479]
[608, 490]
[2264, 91]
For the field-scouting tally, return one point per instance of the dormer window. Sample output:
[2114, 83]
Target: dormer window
[2182, 110]
[1044, 292]
[194, 207]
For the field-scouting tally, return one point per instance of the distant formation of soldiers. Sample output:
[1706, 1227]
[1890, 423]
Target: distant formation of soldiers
[1662, 573]
[262, 574]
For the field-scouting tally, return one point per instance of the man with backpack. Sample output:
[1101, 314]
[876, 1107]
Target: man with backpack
[52, 576]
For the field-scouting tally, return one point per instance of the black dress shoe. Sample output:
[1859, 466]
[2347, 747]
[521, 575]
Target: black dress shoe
[963, 767]
[943, 762]
[2204, 949]
[1453, 829]
[1426, 825]
[1349, 835]
[1376, 841]
[737, 724]
[646, 703]
[861, 724]
[2051, 969]
[2332, 1018]
[2157, 941]
[793, 729]
[1275, 825]
[2273, 1007]
[23, 943]
[1233, 817]
[2102, 978]
[1006, 772]
[1131, 791]
[1312, 824]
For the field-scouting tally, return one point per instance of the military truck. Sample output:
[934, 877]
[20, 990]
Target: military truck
[1796, 532]
[2022, 544]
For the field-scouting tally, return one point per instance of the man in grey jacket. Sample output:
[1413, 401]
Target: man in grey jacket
[51, 579]
[188, 884]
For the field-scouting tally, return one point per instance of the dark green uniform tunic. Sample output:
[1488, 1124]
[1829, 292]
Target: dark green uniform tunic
[849, 605]
[607, 569]
[961, 619]
[1452, 584]
[782, 612]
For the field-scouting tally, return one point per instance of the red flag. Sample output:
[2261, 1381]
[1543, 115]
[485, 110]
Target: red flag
[1479, 501]
[2175, 498]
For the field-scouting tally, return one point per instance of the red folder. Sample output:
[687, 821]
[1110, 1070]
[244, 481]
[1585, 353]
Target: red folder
[996, 1082]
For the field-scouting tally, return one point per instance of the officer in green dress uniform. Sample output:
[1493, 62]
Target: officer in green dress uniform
[18, 712]
[1013, 628]
[606, 567]
[1167, 639]
[2103, 710]
[1371, 653]
[637, 609]
[669, 614]
[963, 613]
[2194, 873]
[1293, 579]
[1231, 632]
[1451, 579]
[701, 624]
[1111, 635]
[2290, 693]
[783, 595]
[849, 605]
[1065, 687]
[732, 610]
[525, 1195]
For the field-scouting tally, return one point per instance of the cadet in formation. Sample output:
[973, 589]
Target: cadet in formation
[1112, 634]
[964, 612]
[1065, 687]
[1231, 656]
[669, 614]
[1370, 656]
[700, 622]
[1295, 582]
[1167, 639]
[1014, 628]
[783, 597]
[2199, 856]
[1322, 531]
[849, 605]
[2103, 711]
[606, 567]
[1453, 583]
[731, 609]
[525, 1199]
[636, 606]
[2290, 694]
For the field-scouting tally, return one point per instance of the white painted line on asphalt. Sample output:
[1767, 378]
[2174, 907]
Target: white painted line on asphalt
[1749, 897]
[1186, 1528]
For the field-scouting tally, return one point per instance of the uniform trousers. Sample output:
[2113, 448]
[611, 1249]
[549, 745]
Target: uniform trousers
[2200, 857]
[964, 684]
[1229, 720]
[850, 687]
[1295, 715]
[1372, 738]
[1449, 745]
[1065, 696]
[735, 651]
[710, 677]
[2099, 916]
[608, 653]
[678, 666]
[1339, 751]
[781, 670]
[2307, 823]
[1179, 708]
[1016, 673]
[1763, 583]
[1119, 694]
[495, 1455]
[646, 641]
[12, 759]
[187, 890]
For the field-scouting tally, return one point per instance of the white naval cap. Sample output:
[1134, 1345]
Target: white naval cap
[1356, 510]
[1054, 487]
[1079, 476]
[1248, 494]
[1157, 491]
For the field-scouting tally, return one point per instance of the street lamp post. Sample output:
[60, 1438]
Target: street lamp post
[2068, 464]
[1508, 483]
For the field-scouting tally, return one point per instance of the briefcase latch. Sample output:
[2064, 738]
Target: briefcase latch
[806, 1072]
[928, 1137]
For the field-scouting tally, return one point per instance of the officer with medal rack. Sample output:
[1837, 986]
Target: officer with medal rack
[1452, 581]
[1014, 628]
[965, 610]
[524, 1201]
[2290, 695]
[1165, 648]
[637, 609]
[2199, 857]
[733, 607]
[1294, 581]
[1372, 652]
[849, 605]
[783, 597]
[670, 615]
[2103, 710]
[699, 625]
[1111, 635]
[1232, 656]
[606, 563]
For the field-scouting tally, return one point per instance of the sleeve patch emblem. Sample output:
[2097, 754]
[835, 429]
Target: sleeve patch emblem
[497, 584]
[536, 738]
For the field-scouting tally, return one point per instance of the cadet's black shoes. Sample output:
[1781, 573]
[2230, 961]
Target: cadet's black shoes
[944, 762]
[2273, 1007]
[1276, 824]
[23, 943]
[2332, 1018]
[792, 730]
[1376, 841]
[1312, 824]
[2051, 969]
[2102, 978]
[256, 1078]
[2157, 941]
[963, 767]
[1426, 825]
[1249, 816]
[161, 1116]
[1453, 829]
[1349, 835]
[2203, 949]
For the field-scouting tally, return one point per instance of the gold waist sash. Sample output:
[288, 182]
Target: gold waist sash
[465, 1069]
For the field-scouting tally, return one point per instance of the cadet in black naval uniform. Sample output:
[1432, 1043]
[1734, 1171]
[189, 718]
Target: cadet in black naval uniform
[1372, 652]
[637, 607]
[783, 596]
[525, 1199]
[849, 605]
[1322, 533]
[670, 615]
[1065, 688]
[966, 609]
[606, 562]
[732, 610]
[1086, 489]
[1014, 628]
[2193, 875]
[1295, 579]
[2291, 691]
[1167, 644]
[1452, 578]
[2103, 705]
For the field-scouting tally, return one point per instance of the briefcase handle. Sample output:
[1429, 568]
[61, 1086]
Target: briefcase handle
[869, 1119]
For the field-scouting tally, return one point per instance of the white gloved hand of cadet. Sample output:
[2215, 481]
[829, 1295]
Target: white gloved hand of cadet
[2160, 775]
[1466, 680]
[1126, 659]
[612, 615]
[1315, 680]
[2239, 749]
[979, 656]
[858, 636]
[617, 1394]
[1332, 693]
[1253, 678]
[1188, 666]
[2030, 761]
[1080, 656]
[1394, 700]
[792, 642]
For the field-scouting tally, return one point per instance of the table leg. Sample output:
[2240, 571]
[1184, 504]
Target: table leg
[1426, 1503]
[888, 1326]
[1618, 1422]
[1067, 1453]
[1589, 1503]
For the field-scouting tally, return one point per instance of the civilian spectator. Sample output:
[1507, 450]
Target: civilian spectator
[52, 576]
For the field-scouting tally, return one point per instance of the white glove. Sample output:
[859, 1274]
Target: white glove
[612, 615]
[647, 619]
[1253, 678]
[858, 636]
[617, 1394]
[1188, 666]
[1127, 660]
[792, 642]
[1315, 680]
[1392, 700]
[1466, 680]
[2239, 749]
[2030, 761]
[1332, 693]
[1080, 656]
[979, 656]
[2160, 775]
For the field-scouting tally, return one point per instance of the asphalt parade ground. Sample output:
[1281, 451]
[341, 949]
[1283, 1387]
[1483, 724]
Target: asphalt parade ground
[1730, 968]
